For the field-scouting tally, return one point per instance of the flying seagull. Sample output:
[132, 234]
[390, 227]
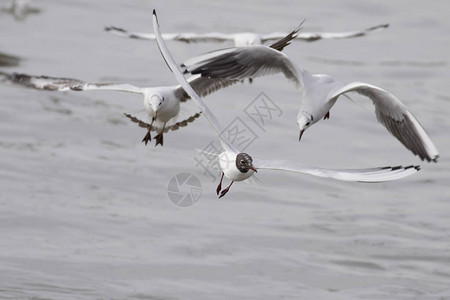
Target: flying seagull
[319, 92]
[244, 38]
[239, 166]
[161, 104]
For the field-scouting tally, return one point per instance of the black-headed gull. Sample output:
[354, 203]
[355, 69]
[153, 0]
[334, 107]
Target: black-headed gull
[238, 166]
[319, 92]
[162, 104]
[243, 38]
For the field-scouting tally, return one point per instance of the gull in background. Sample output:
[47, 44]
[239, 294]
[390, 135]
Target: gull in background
[244, 38]
[162, 104]
[20, 9]
[318, 92]
[238, 166]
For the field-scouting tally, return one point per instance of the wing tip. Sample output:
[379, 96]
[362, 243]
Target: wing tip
[395, 168]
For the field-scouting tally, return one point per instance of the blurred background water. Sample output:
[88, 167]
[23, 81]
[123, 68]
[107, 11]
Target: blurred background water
[84, 211]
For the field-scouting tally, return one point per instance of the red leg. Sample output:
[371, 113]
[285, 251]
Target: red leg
[225, 190]
[219, 187]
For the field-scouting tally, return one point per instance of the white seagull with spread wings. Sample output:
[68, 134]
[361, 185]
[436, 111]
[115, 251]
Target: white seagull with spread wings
[238, 166]
[161, 104]
[243, 38]
[319, 92]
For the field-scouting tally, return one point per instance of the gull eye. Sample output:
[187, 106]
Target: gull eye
[242, 162]
[307, 124]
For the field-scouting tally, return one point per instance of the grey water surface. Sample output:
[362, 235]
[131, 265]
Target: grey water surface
[84, 205]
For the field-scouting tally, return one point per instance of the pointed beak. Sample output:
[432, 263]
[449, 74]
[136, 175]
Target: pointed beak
[253, 168]
[301, 133]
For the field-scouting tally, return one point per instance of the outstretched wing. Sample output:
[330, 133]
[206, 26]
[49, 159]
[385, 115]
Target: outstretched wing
[244, 62]
[182, 81]
[158, 127]
[182, 37]
[240, 63]
[397, 119]
[314, 36]
[361, 175]
[203, 86]
[67, 84]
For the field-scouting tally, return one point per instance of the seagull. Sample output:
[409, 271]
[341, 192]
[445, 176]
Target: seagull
[239, 166]
[20, 9]
[243, 38]
[162, 104]
[318, 92]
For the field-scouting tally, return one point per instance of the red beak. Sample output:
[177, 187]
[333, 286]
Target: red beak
[253, 168]
[300, 136]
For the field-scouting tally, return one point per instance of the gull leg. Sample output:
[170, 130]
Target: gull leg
[159, 137]
[219, 187]
[148, 136]
[327, 116]
[225, 190]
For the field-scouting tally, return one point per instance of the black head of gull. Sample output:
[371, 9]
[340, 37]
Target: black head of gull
[244, 162]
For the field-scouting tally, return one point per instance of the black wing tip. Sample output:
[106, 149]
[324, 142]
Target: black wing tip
[417, 167]
[108, 28]
[430, 159]
[395, 168]
[154, 12]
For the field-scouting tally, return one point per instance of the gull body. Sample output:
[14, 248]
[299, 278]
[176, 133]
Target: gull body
[318, 92]
[239, 166]
[243, 38]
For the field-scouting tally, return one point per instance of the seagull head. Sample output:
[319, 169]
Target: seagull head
[304, 120]
[156, 102]
[244, 162]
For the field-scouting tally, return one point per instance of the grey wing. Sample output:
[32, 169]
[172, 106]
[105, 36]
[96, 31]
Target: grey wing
[244, 62]
[397, 119]
[361, 175]
[314, 36]
[43, 82]
[203, 86]
[136, 35]
[158, 126]
[67, 84]
[202, 37]
[182, 37]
